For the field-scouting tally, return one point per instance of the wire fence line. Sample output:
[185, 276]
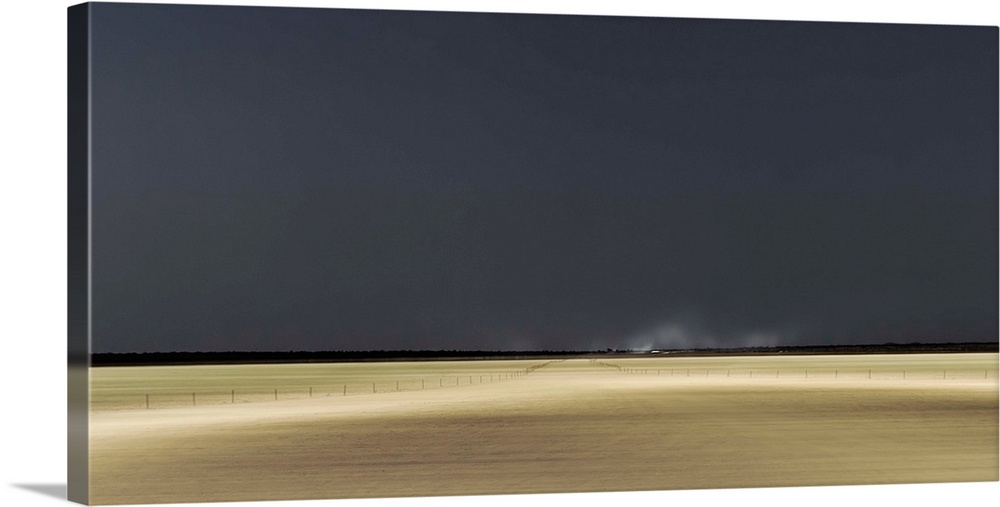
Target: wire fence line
[809, 373]
[156, 398]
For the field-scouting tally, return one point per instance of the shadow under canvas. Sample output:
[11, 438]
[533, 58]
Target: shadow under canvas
[52, 490]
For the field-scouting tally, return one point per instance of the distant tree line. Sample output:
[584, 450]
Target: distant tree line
[883, 348]
[143, 358]
[249, 357]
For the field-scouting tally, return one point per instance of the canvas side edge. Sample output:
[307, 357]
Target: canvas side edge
[78, 252]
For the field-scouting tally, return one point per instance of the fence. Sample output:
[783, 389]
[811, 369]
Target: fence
[155, 399]
[803, 373]
[204, 397]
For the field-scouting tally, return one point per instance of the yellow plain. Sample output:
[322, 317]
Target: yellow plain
[652, 422]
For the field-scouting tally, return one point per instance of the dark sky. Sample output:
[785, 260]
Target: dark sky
[322, 179]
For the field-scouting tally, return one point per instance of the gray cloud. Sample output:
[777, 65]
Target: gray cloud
[356, 180]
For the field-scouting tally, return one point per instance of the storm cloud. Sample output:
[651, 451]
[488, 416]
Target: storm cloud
[302, 179]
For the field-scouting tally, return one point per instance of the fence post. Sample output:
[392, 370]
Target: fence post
[232, 397]
[310, 392]
[193, 402]
[275, 395]
[147, 402]
[373, 387]
[345, 389]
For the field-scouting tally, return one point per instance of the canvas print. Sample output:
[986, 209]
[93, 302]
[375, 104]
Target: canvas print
[346, 253]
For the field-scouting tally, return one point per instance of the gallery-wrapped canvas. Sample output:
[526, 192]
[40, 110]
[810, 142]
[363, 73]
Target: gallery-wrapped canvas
[346, 253]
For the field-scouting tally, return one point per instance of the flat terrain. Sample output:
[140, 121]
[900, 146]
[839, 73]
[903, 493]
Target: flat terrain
[646, 423]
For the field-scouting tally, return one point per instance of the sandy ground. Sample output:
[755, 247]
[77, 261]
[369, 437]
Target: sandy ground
[573, 426]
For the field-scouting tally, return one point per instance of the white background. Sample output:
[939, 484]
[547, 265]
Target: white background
[33, 246]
